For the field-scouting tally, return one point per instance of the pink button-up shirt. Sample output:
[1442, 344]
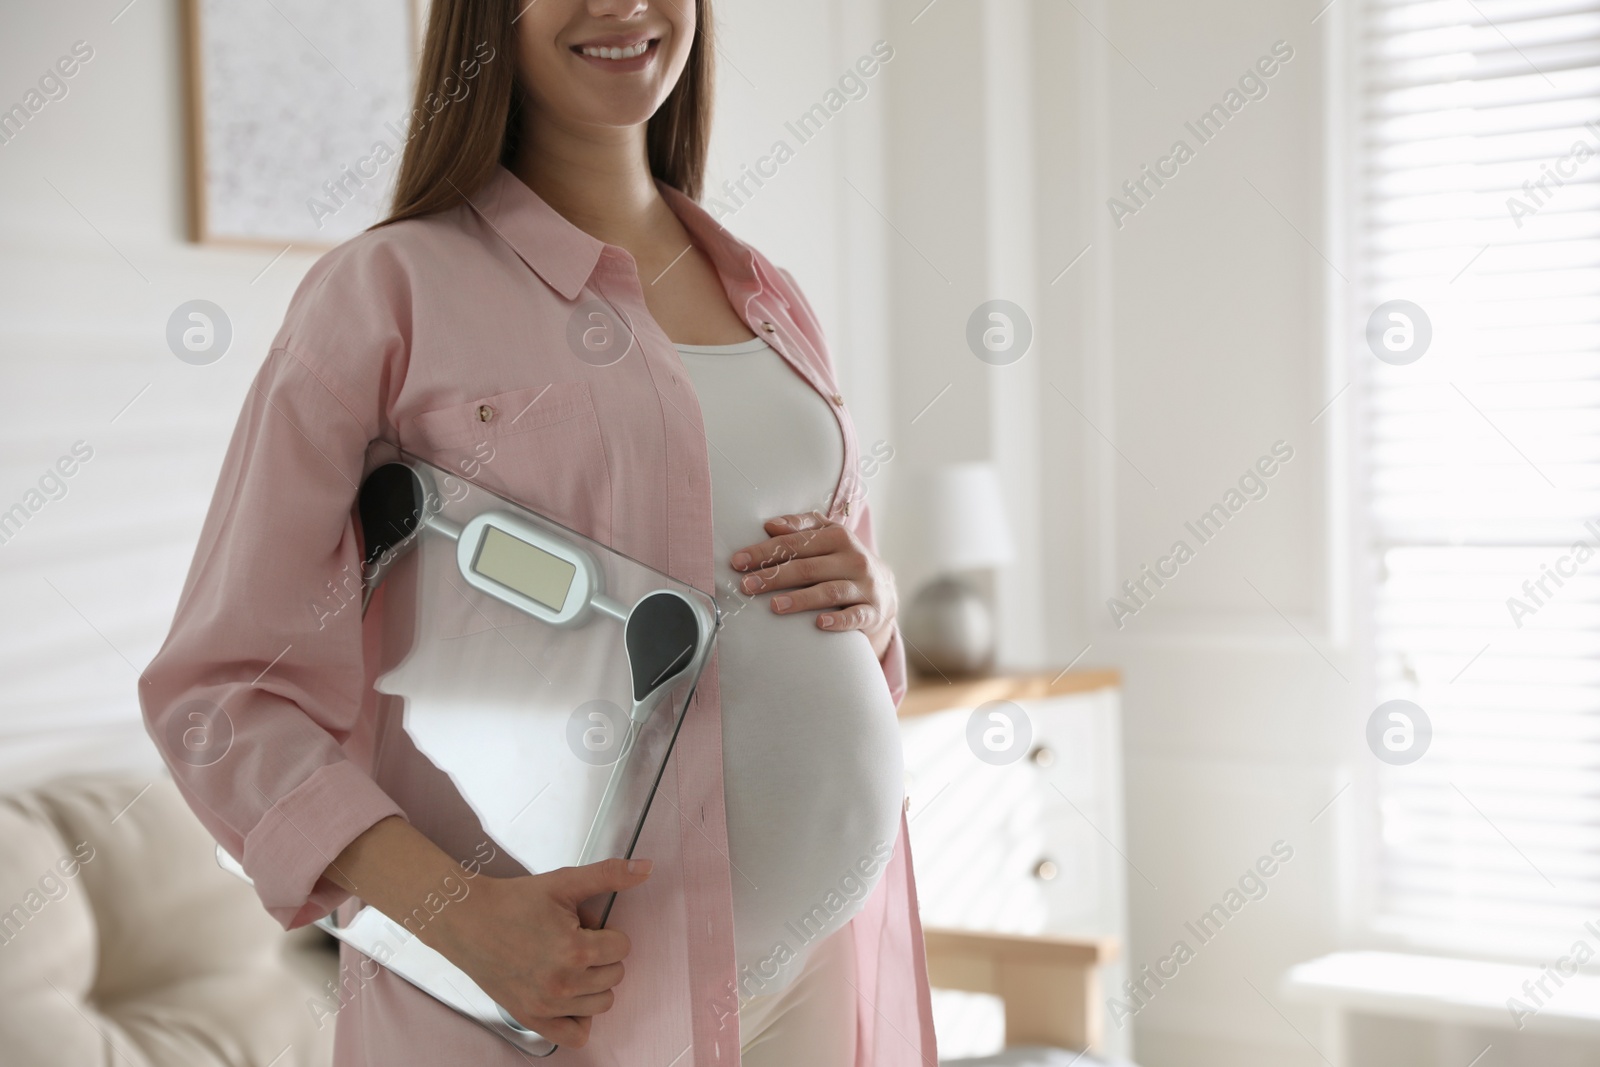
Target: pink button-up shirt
[398, 338]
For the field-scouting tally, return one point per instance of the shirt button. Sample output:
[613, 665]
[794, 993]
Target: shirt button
[485, 412]
[847, 507]
[839, 400]
[767, 326]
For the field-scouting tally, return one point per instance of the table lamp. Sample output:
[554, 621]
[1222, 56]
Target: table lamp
[948, 626]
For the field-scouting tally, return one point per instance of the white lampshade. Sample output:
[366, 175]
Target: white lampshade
[964, 519]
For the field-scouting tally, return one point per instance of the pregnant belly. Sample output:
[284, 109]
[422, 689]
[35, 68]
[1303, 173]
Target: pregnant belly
[814, 781]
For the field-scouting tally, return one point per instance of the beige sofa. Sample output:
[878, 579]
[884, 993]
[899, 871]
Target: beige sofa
[122, 942]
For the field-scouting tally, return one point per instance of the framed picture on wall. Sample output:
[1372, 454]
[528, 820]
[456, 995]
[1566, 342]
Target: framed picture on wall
[298, 113]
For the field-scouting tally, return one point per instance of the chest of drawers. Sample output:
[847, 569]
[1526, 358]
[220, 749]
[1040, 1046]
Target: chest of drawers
[1015, 808]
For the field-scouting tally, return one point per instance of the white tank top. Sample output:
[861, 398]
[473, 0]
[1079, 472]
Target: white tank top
[812, 765]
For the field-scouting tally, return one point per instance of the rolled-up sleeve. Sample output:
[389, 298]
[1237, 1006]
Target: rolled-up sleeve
[261, 678]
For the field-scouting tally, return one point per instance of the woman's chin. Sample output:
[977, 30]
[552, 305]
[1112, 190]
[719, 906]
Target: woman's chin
[618, 114]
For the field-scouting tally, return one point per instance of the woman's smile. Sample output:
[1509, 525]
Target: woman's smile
[619, 54]
[563, 44]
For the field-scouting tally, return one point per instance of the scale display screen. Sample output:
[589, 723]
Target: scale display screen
[527, 569]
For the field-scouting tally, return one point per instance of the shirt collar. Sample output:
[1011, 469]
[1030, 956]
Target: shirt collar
[734, 260]
[565, 256]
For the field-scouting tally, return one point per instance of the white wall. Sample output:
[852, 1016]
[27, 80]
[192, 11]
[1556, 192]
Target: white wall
[93, 263]
[1170, 357]
[1236, 718]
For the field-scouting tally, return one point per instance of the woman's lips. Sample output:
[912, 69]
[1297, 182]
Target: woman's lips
[630, 56]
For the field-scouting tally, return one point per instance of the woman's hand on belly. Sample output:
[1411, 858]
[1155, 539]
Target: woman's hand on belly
[822, 566]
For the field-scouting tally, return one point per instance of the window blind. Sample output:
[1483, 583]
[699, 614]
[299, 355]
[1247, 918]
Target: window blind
[1479, 200]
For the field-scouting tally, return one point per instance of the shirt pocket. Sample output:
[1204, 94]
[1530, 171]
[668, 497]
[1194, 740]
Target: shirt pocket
[540, 447]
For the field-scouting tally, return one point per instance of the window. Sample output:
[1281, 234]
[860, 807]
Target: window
[1478, 200]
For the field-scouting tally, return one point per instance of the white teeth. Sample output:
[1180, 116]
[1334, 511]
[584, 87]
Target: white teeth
[618, 53]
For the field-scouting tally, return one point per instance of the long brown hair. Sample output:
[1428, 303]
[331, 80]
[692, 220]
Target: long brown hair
[468, 112]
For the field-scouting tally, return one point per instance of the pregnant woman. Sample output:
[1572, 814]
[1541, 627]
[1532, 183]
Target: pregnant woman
[549, 311]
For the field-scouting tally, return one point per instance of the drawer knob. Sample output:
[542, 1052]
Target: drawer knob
[1046, 870]
[1043, 756]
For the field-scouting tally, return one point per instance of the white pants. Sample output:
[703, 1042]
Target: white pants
[812, 1023]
